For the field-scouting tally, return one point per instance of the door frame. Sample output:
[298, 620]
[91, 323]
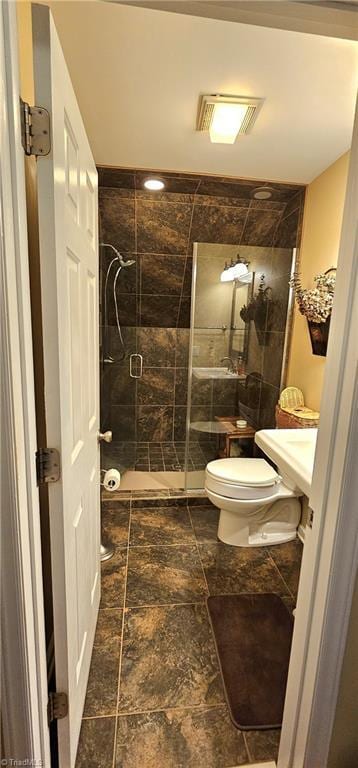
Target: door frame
[319, 637]
[330, 555]
[23, 645]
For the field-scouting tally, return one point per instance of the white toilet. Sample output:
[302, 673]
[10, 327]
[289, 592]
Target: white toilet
[256, 507]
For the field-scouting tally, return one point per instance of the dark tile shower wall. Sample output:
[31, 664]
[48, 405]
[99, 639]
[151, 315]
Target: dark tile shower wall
[158, 231]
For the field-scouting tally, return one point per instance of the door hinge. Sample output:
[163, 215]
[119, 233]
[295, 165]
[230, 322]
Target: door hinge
[57, 706]
[35, 130]
[47, 465]
[310, 518]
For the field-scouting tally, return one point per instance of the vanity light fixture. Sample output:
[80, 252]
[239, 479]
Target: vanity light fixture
[154, 184]
[227, 116]
[236, 271]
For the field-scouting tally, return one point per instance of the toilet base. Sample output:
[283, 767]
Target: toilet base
[241, 532]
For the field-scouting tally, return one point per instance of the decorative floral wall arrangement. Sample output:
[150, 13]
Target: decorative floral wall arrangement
[260, 310]
[316, 305]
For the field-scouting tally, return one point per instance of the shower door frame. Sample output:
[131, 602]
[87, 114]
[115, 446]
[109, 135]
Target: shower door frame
[190, 362]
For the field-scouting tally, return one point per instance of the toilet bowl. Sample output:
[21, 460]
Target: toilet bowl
[256, 507]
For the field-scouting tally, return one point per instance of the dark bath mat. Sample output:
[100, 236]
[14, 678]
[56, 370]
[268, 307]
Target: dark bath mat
[253, 636]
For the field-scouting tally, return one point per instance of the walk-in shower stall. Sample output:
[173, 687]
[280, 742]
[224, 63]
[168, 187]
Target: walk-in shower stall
[230, 366]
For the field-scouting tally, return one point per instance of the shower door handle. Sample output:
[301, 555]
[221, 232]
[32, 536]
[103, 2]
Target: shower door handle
[137, 357]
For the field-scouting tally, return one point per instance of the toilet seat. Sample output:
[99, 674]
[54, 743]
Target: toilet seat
[242, 479]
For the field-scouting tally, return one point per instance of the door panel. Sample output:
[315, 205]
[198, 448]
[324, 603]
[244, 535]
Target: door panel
[68, 215]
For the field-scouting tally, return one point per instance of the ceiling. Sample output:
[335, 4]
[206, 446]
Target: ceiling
[318, 17]
[138, 74]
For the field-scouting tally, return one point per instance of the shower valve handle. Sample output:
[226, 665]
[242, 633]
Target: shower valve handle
[105, 436]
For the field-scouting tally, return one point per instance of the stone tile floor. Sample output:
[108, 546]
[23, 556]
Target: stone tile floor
[155, 697]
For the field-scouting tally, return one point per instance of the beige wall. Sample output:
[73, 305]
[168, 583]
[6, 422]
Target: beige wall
[24, 27]
[319, 250]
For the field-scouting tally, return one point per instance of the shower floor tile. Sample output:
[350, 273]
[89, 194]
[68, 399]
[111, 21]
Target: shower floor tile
[157, 457]
[155, 696]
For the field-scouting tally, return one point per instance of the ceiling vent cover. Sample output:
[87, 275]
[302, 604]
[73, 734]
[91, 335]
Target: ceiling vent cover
[209, 104]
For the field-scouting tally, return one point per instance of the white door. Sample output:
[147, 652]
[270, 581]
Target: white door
[68, 205]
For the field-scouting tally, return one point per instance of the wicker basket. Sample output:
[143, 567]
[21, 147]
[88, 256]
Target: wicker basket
[291, 398]
[285, 420]
[292, 413]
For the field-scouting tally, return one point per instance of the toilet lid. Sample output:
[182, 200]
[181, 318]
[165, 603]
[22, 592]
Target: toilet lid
[246, 472]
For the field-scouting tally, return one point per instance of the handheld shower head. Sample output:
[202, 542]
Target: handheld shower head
[120, 258]
[128, 263]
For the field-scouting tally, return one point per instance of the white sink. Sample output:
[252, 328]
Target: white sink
[293, 451]
[215, 373]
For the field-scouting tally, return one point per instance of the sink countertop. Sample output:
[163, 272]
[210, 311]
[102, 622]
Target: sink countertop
[293, 451]
[217, 373]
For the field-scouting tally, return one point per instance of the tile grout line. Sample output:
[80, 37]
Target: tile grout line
[245, 222]
[167, 605]
[198, 550]
[161, 444]
[121, 641]
[247, 747]
[182, 285]
[100, 717]
[191, 543]
[282, 578]
[198, 602]
[186, 707]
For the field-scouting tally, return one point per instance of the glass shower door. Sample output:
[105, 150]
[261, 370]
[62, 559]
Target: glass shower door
[237, 342]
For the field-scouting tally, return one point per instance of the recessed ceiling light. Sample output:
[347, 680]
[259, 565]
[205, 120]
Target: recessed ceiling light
[154, 184]
[227, 116]
[262, 193]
